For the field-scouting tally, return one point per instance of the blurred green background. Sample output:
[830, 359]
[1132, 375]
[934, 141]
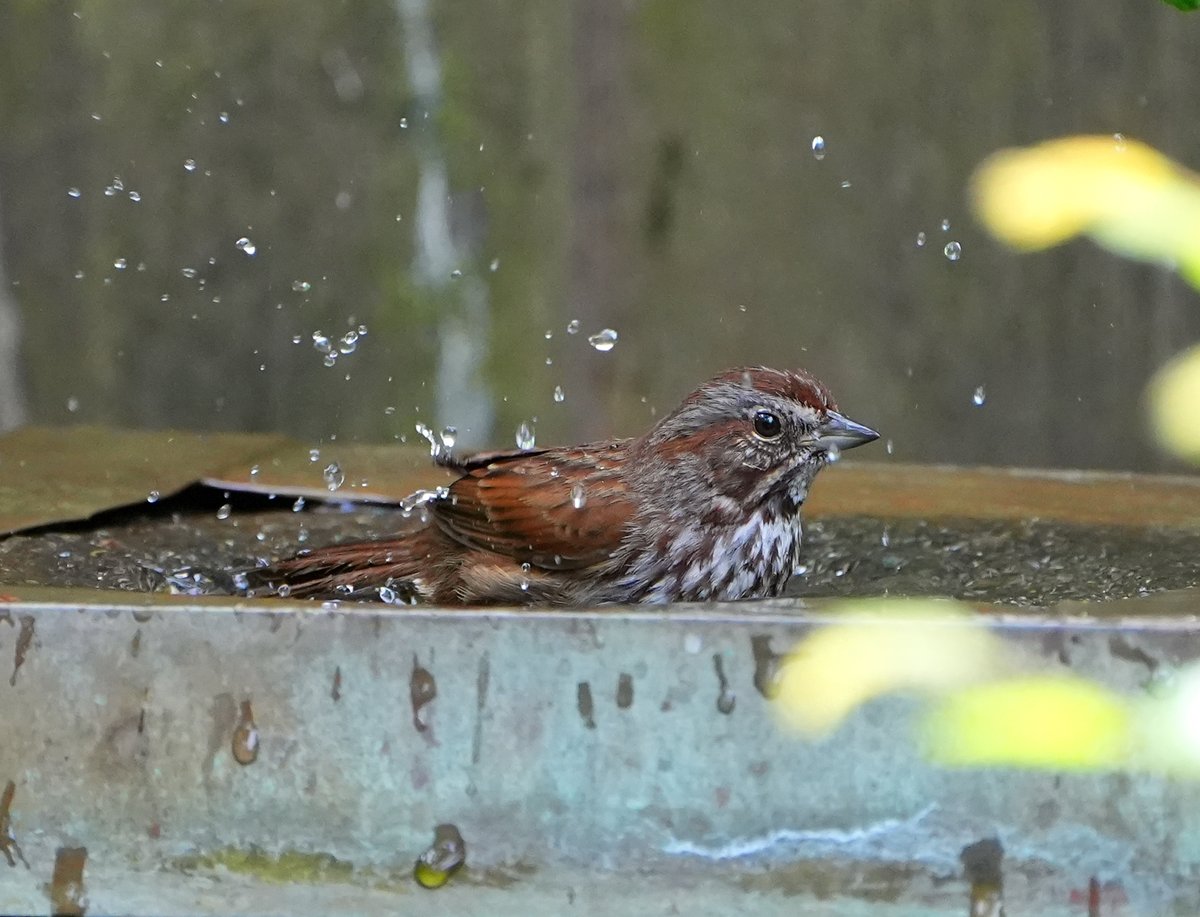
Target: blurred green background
[189, 191]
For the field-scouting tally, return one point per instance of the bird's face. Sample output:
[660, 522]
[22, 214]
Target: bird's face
[757, 434]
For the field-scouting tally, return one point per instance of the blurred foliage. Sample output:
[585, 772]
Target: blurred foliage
[880, 647]
[981, 704]
[1174, 397]
[1126, 196]
[662, 184]
[1184, 4]
[1130, 199]
[1056, 722]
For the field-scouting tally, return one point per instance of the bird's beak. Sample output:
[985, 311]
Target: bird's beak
[839, 432]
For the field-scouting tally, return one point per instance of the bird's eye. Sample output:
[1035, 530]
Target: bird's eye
[767, 425]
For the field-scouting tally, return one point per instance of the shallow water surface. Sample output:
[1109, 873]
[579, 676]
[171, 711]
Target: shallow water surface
[195, 541]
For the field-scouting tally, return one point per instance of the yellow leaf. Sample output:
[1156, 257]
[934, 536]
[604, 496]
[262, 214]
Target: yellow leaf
[1175, 405]
[1039, 721]
[1125, 195]
[880, 647]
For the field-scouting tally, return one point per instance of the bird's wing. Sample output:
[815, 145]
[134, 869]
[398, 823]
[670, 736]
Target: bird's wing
[526, 505]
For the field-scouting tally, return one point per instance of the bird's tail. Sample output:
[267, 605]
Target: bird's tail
[387, 570]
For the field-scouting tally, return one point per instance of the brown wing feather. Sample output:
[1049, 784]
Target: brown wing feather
[521, 505]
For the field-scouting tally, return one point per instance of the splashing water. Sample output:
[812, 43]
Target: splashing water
[604, 341]
[334, 476]
[436, 445]
[526, 438]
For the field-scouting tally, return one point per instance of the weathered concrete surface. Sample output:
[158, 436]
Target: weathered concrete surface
[584, 756]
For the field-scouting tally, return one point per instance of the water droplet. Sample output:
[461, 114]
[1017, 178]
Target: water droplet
[114, 188]
[72, 404]
[946, 224]
[224, 511]
[283, 590]
[846, 183]
[526, 438]
[578, 496]
[120, 264]
[189, 165]
[559, 395]
[573, 326]
[455, 274]
[298, 505]
[74, 192]
[246, 245]
[1119, 141]
[818, 147]
[449, 436]
[403, 123]
[334, 476]
[245, 736]
[135, 197]
[952, 251]
[314, 455]
[980, 396]
[349, 342]
[833, 454]
[330, 359]
[920, 240]
[495, 265]
[387, 595]
[890, 446]
[223, 117]
[241, 582]
[321, 342]
[153, 496]
[604, 341]
[435, 442]
[189, 273]
[301, 286]
[79, 275]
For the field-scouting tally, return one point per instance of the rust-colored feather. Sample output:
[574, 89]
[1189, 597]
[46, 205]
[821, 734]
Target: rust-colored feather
[525, 505]
[349, 567]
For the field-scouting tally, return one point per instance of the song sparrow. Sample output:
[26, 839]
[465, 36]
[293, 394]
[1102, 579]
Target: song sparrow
[706, 505]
